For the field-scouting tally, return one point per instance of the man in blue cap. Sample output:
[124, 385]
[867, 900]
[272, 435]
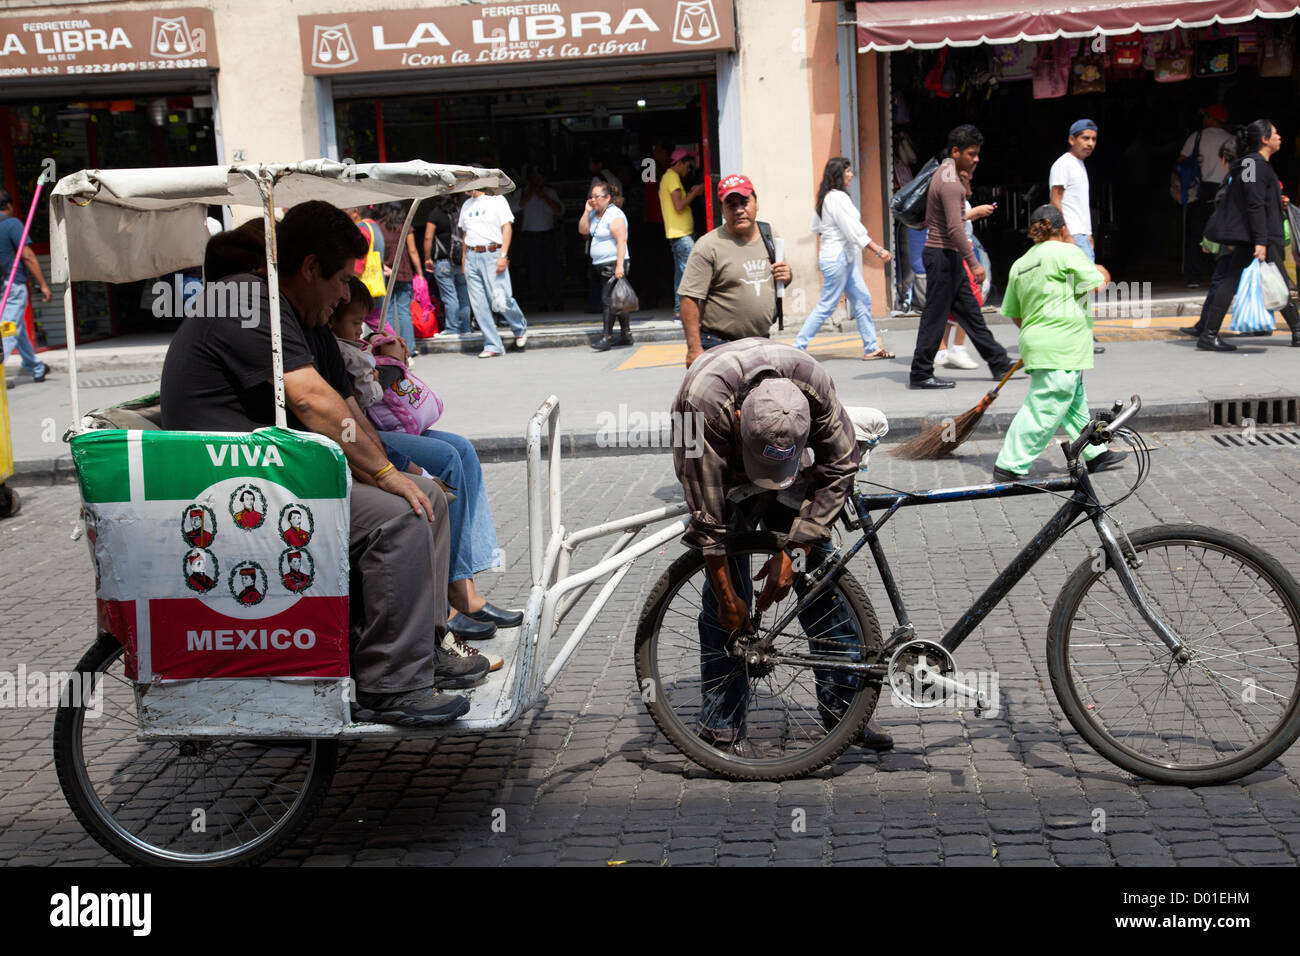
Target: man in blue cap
[1069, 184]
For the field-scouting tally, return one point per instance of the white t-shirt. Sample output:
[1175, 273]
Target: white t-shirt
[1212, 170]
[482, 217]
[537, 215]
[1069, 171]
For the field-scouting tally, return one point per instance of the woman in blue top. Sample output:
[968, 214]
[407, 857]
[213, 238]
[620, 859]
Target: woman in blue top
[606, 224]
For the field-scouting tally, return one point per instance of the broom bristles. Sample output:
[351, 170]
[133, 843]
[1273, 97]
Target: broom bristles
[943, 439]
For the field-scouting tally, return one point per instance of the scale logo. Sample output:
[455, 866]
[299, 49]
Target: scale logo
[171, 38]
[695, 22]
[332, 47]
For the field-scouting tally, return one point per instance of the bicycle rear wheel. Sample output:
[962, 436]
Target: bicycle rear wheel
[199, 802]
[788, 716]
[1232, 708]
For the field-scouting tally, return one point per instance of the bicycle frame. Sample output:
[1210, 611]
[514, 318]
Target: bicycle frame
[1082, 501]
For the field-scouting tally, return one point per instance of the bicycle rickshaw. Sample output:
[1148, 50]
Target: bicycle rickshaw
[203, 724]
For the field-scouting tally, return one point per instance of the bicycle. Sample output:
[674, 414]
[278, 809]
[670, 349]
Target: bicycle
[1141, 666]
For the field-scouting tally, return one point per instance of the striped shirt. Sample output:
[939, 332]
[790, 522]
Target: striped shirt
[706, 440]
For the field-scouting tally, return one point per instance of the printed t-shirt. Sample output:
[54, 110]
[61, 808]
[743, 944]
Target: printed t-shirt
[733, 281]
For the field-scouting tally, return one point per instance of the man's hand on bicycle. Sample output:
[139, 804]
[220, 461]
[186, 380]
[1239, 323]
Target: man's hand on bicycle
[777, 576]
[733, 613]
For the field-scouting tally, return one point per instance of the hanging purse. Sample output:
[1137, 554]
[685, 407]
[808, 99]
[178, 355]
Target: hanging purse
[1216, 57]
[1277, 54]
[1052, 70]
[1088, 74]
[1175, 64]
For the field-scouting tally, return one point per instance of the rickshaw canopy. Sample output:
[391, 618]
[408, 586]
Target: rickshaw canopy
[121, 225]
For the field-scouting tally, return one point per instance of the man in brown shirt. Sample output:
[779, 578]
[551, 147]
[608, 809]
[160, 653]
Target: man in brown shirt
[728, 287]
[766, 414]
[947, 254]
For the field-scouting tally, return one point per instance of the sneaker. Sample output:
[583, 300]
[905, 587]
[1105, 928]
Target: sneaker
[488, 353]
[454, 645]
[415, 708]
[957, 358]
[1002, 474]
[521, 341]
[941, 358]
[39, 378]
[453, 671]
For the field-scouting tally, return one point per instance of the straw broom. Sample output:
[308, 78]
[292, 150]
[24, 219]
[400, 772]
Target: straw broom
[942, 439]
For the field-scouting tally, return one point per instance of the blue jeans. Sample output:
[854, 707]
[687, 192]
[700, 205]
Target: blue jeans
[724, 688]
[487, 290]
[452, 459]
[445, 279]
[1085, 243]
[462, 297]
[681, 247]
[14, 309]
[403, 293]
[839, 277]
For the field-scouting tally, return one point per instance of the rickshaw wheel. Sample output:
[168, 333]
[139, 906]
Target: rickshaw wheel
[178, 802]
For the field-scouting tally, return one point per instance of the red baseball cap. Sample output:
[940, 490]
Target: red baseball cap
[1216, 111]
[735, 183]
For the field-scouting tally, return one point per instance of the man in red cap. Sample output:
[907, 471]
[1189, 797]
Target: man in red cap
[1204, 145]
[728, 289]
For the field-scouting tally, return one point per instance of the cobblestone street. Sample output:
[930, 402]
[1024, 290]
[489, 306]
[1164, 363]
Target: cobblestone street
[587, 778]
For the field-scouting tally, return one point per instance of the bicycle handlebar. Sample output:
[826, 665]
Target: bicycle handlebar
[1102, 429]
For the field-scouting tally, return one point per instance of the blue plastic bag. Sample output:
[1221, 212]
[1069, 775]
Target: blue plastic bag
[1248, 311]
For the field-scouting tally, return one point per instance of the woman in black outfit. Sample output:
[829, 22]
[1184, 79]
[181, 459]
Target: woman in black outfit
[1250, 220]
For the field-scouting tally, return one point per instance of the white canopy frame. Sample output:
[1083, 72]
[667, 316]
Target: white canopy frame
[122, 225]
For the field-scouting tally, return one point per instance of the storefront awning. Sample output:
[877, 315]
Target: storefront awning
[929, 24]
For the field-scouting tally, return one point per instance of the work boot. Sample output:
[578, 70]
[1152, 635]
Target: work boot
[873, 738]
[624, 331]
[416, 708]
[453, 671]
[606, 341]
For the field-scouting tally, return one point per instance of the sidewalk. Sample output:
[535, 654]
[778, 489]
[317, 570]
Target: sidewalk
[618, 400]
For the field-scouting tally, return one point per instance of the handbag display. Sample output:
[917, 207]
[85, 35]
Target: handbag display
[1052, 70]
[1175, 63]
[1088, 74]
[1126, 55]
[1014, 61]
[1277, 54]
[1216, 57]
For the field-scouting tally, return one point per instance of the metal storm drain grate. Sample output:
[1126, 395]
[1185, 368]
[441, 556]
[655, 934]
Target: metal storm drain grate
[1245, 438]
[118, 378]
[1272, 410]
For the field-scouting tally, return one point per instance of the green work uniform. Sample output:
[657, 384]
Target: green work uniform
[1048, 291]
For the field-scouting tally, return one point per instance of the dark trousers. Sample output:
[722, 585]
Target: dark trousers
[1221, 263]
[1198, 214]
[947, 290]
[1216, 304]
[543, 269]
[603, 275]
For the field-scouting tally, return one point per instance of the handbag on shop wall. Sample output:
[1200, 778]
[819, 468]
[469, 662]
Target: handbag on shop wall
[1277, 54]
[1216, 57]
[1088, 74]
[1052, 70]
[1175, 64]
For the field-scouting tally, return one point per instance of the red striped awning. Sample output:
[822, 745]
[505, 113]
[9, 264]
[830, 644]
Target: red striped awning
[928, 24]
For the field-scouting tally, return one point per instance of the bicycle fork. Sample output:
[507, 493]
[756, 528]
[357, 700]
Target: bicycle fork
[1124, 563]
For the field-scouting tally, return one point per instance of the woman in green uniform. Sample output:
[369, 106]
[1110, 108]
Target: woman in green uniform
[1047, 298]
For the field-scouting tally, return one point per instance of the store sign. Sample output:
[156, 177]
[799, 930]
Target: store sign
[495, 33]
[124, 41]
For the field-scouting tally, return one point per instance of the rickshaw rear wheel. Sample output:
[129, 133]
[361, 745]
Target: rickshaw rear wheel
[213, 802]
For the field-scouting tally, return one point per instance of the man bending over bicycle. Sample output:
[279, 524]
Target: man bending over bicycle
[771, 445]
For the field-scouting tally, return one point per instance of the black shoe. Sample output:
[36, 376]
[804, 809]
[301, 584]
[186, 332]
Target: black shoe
[603, 344]
[1097, 348]
[1215, 344]
[489, 614]
[1106, 461]
[471, 628]
[1264, 332]
[414, 708]
[39, 378]
[1191, 330]
[453, 671]
[872, 738]
[623, 340]
[1295, 338]
[999, 372]
[1001, 474]
[932, 382]
[1193, 285]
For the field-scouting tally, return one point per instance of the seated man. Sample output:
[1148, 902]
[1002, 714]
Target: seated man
[217, 377]
[760, 406]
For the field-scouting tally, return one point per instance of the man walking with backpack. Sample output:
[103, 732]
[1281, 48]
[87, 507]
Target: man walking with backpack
[947, 288]
[728, 287]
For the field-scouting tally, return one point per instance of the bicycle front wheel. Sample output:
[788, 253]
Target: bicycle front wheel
[796, 709]
[1232, 707]
[199, 802]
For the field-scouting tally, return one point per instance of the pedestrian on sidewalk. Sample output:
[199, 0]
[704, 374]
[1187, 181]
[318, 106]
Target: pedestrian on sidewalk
[1047, 298]
[1250, 220]
[1203, 146]
[679, 222]
[444, 258]
[391, 217]
[606, 225]
[539, 215]
[15, 308]
[946, 248]
[486, 222]
[843, 238]
[728, 288]
[956, 356]
[1220, 251]
[1068, 180]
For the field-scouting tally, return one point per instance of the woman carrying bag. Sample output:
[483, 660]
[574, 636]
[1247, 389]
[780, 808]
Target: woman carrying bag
[606, 224]
[1248, 218]
[843, 237]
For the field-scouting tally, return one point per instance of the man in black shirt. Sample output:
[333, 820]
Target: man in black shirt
[217, 377]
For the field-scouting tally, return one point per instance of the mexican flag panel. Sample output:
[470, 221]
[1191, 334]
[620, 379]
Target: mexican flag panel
[219, 555]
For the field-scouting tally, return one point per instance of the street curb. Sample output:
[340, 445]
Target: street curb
[1172, 416]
